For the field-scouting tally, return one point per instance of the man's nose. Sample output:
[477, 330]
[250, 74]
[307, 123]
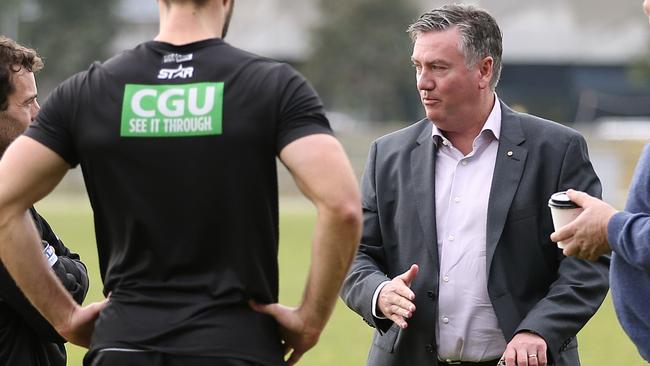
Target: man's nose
[35, 108]
[425, 81]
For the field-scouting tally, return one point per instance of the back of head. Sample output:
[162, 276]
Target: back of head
[13, 58]
[480, 33]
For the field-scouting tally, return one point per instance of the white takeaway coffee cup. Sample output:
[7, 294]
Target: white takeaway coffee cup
[563, 211]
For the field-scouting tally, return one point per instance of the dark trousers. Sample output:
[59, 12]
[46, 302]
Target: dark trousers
[120, 358]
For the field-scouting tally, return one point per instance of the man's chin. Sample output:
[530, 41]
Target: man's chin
[433, 115]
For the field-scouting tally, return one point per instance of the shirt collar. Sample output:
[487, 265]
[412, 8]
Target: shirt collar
[492, 124]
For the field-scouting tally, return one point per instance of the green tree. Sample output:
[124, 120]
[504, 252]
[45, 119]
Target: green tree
[360, 62]
[69, 34]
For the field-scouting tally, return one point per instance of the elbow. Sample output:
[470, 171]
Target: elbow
[6, 217]
[347, 214]
[350, 213]
[9, 212]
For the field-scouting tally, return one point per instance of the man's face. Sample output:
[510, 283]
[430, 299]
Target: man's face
[448, 89]
[646, 8]
[21, 110]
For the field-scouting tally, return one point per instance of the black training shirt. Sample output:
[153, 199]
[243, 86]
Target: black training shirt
[26, 338]
[178, 148]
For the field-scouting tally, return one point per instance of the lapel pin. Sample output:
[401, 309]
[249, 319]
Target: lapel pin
[510, 153]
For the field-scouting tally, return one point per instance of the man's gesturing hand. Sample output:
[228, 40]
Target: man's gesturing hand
[395, 299]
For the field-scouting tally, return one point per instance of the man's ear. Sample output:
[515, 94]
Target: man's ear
[485, 69]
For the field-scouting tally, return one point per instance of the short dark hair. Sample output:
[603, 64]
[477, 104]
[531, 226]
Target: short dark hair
[481, 36]
[13, 58]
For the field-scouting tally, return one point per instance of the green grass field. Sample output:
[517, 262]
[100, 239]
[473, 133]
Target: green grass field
[347, 338]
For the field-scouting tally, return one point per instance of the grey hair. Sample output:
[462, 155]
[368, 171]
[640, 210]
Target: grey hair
[480, 33]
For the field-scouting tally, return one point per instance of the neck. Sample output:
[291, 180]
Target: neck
[463, 140]
[183, 23]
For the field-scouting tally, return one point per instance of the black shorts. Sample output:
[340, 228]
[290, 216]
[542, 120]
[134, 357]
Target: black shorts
[147, 358]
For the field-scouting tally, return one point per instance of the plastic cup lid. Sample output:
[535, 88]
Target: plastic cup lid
[561, 200]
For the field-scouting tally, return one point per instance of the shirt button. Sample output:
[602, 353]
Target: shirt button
[445, 319]
[446, 278]
[456, 199]
[464, 162]
[451, 238]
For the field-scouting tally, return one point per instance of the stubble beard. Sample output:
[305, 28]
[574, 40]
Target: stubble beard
[10, 129]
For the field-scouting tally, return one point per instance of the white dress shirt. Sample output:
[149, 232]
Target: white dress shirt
[467, 327]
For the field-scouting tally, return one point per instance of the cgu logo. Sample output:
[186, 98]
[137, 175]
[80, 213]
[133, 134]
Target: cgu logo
[180, 72]
[172, 102]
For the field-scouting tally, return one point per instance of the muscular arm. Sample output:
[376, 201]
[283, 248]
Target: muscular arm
[29, 171]
[321, 170]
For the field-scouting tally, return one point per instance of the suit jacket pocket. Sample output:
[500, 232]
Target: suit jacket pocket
[387, 341]
[520, 213]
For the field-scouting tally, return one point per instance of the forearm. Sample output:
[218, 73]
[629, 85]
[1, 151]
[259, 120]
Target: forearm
[335, 242]
[323, 173]
[21, 253]
[14, 299]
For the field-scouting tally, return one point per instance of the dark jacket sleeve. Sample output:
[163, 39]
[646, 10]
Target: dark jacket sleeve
[68, 269]
[369, 266]
[581, 286]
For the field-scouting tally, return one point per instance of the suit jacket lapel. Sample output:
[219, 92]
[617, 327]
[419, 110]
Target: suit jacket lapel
[423, 179]
[510, 162]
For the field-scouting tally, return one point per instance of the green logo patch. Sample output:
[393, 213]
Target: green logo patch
[175, 110]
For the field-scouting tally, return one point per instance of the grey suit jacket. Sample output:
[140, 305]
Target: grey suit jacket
[532, 286]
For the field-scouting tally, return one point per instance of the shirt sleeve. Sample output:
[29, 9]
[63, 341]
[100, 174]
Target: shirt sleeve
[301, 111]
[375, 296]
[52, 126]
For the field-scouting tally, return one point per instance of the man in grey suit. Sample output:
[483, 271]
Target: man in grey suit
[455, 265]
